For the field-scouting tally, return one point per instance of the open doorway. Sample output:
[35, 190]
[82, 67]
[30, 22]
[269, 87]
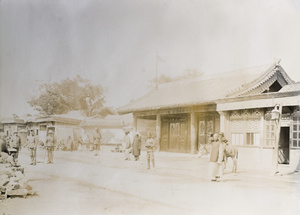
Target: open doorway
[284, 146]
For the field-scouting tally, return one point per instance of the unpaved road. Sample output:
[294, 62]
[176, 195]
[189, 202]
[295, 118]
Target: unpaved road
[80, 183]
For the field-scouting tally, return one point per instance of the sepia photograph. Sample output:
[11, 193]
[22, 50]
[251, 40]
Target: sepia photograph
[149, 107]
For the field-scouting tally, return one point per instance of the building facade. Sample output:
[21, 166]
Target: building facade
[186, 113]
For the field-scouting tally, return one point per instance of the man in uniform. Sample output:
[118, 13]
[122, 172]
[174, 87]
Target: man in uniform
[15, 146]
[97, 138]
[50, 142]
[32, 144]
[150, 150]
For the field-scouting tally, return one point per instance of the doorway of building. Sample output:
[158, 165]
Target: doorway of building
[174, 134]
[284, 146]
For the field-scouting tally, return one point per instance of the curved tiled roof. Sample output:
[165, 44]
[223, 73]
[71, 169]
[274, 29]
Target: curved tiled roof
[206, 89]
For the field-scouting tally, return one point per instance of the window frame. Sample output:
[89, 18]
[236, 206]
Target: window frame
[295, 124]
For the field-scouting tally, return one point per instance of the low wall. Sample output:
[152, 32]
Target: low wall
[295, 159]
[254, 157]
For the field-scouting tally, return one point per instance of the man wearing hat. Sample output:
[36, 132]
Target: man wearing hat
[15, 145]
[32, 145]
[50, 143]
[150, 150]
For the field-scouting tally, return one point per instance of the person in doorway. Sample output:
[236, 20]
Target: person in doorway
[97, 141]
[15, 146]
[32, 145]
[136, 146]
[127, 145]
[216, 158]
[50, 143]
[150, 144]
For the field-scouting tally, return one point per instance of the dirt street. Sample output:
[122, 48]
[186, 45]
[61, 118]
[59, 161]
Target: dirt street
[80, 183]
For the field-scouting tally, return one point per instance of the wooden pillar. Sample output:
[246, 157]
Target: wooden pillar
[224, 124]
[193, 133]
[222, 121]
[158, 130]
[277, 137]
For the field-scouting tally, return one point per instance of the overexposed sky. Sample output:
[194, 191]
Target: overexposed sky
[114, 42]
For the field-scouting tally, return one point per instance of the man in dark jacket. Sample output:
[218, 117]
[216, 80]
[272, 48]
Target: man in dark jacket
[136, 146]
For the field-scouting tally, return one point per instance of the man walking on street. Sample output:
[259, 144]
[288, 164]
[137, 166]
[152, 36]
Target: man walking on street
[32, 144]
[50, 142]
[127, 145]
[97, 141]
[150, 151]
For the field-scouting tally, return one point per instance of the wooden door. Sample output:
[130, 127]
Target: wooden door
[205, 129]
[164, 142]
[174, 135]
[284, 149]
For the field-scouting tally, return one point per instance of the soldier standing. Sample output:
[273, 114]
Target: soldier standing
[15, 144]
[150, 151]
[32, 144]
[50, 142]
[97, 138]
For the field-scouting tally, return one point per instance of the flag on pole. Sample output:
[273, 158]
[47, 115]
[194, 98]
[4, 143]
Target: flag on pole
[158, 58]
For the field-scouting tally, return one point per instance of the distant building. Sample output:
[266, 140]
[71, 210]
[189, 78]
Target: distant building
[238, 103]
[62, 126]
[15, 124]
[73, 124]
[111, 126]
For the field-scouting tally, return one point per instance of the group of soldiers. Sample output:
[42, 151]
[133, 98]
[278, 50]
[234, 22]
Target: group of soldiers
[33, 141]
[135, 147]
[12, 145]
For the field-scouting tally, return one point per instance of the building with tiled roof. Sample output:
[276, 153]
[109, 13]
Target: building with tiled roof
[237, 103]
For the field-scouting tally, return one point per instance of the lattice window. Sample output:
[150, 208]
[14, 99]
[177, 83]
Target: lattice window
[252, 124]
[253, 139]
[246, 127]
[270, 133]
[237, 125]
[296, 132]
[237, 139]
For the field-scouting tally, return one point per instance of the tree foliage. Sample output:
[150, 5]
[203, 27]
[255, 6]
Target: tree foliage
[67, 95]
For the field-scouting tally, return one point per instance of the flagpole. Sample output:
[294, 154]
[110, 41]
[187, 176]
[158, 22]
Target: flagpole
[156, 78]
